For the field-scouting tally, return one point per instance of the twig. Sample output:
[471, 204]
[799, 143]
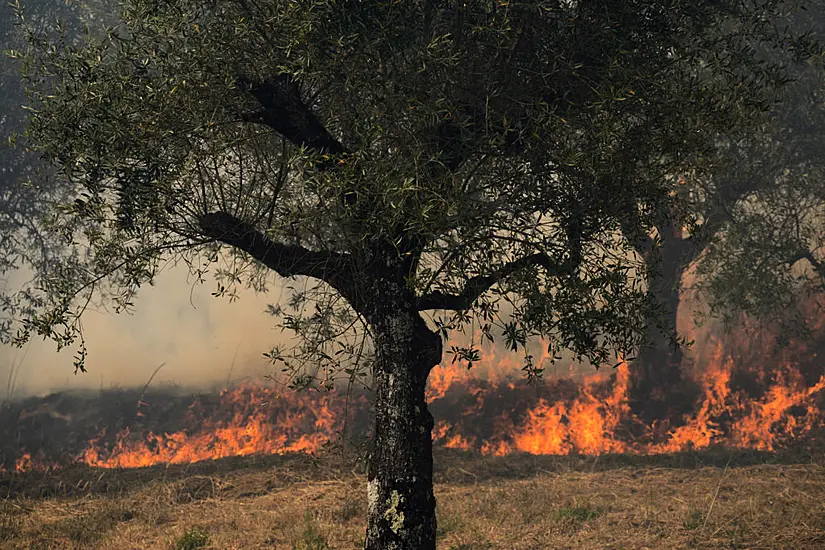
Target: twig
[146, 386]
[14, 372]
[715, 494]
[232, 364]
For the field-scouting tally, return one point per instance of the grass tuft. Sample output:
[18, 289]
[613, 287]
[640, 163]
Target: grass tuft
[11, 527]
[352, 507]
[193, 538]
[577, 514]
[694, 520]
[90, 527]
[448, 523]
[311, 538]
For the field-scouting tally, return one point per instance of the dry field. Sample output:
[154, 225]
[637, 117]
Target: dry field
[715, 499]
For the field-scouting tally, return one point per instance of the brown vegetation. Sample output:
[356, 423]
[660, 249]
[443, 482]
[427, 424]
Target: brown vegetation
[713, 499]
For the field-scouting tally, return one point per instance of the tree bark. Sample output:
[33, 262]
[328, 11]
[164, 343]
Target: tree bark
[656, 374]
[401, 509]
[659, 389]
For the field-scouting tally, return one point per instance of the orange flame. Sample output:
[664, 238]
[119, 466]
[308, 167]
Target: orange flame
[23, 463]
[262, 422]
[491, 410]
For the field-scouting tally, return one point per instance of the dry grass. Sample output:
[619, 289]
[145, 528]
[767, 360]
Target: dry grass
[697, 501]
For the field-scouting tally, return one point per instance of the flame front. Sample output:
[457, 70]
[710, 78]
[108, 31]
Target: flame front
[492, 410]
[260, 421]
[589, 425]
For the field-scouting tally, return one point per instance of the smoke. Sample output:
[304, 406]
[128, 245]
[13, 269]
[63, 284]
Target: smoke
[206, 342]
[202, 341]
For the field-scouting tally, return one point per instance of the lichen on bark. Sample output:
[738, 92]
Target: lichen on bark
[393, 515]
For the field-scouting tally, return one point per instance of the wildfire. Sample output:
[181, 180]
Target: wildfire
[25, 463]
[491, 410]
[592, 425]
[260, 421]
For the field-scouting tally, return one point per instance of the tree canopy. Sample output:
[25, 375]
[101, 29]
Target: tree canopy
[427, 142]
[26, 198]
[770, 257]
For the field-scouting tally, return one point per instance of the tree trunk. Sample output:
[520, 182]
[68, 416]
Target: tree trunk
[656, 371]
[401, 512]
[658, 388]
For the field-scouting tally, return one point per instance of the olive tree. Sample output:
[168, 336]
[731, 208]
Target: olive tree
[769, 258]
[25, 199]
[763, 254]
[430, 165]
[726, 215]
[711, 206]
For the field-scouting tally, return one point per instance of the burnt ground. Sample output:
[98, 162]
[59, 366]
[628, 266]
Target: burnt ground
[57, 428]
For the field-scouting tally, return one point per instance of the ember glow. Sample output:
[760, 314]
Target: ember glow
[491, 410]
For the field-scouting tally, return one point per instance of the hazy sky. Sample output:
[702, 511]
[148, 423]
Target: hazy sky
[197, 341]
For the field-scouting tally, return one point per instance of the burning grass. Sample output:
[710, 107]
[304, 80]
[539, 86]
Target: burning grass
[709, 499]
[490, 410]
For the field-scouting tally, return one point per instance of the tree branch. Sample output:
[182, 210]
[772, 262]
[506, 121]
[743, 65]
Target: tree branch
[818, 266]
[286, 260]
[284, 111]
[641, 242]
[478, 285]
